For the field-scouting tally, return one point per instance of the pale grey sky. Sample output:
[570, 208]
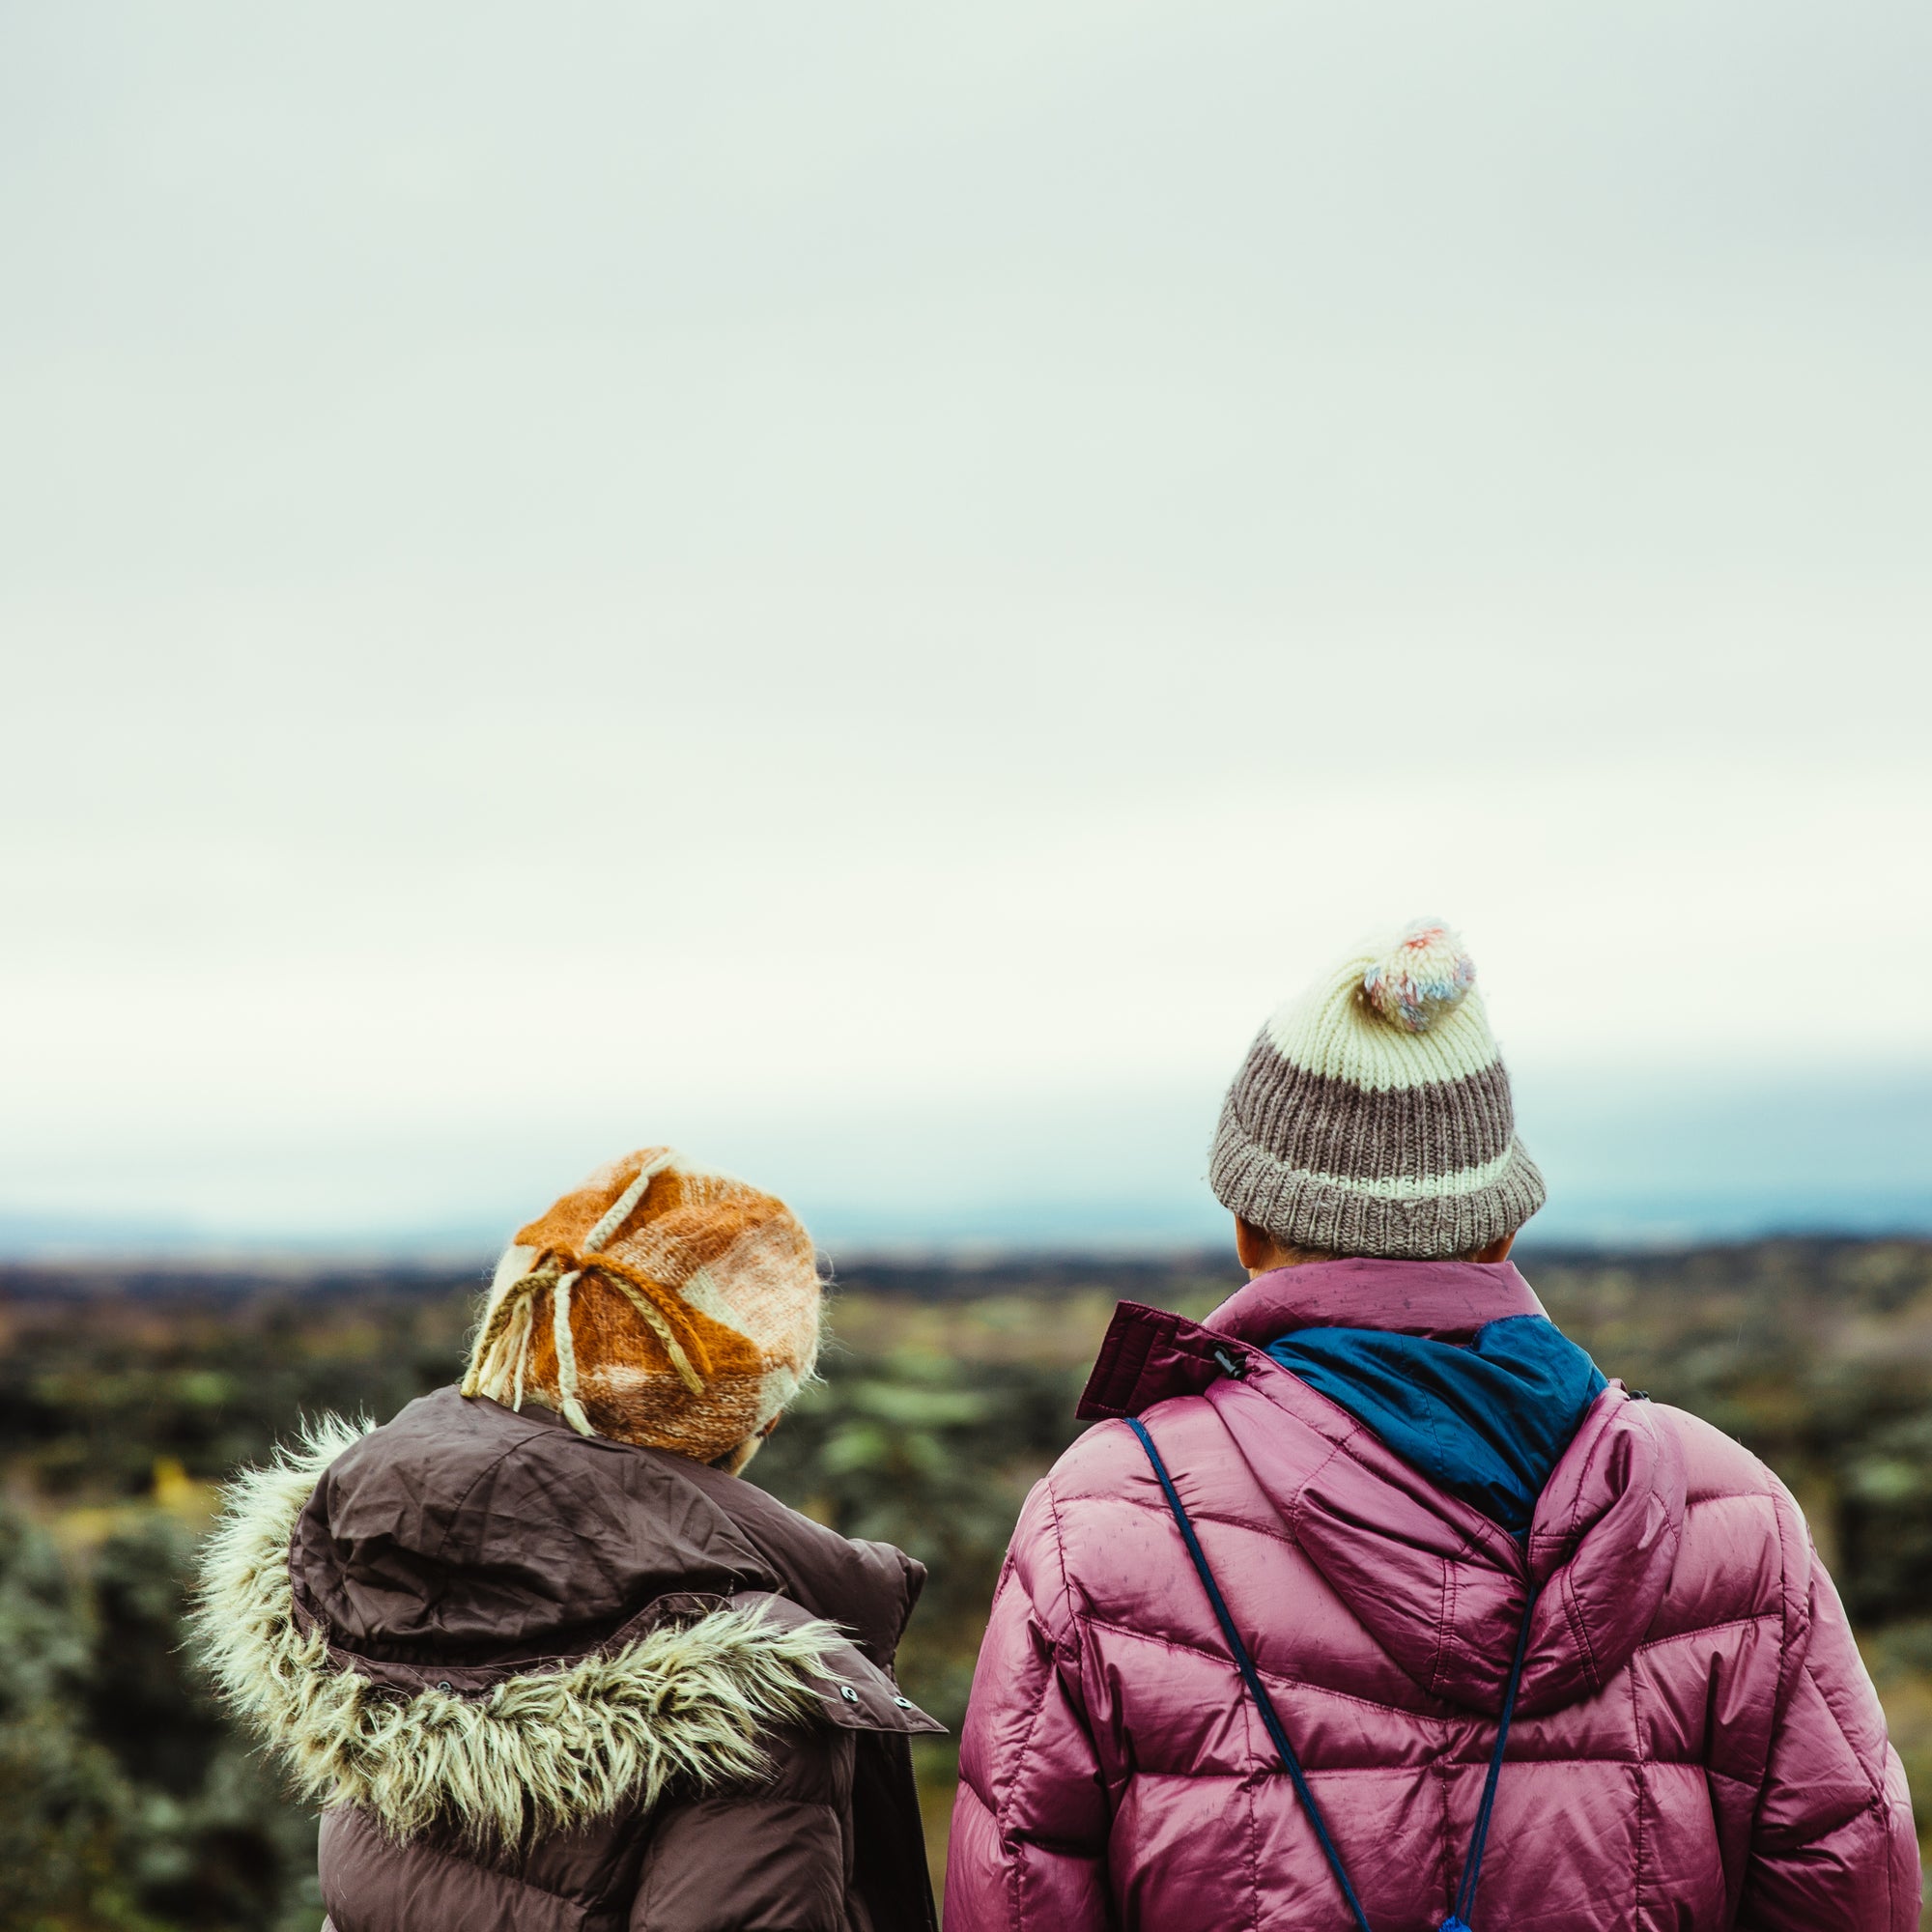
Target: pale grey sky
[862, 586]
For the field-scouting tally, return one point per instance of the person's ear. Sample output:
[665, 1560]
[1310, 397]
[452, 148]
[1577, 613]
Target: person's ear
[1254, 1250]
[1498, 1250]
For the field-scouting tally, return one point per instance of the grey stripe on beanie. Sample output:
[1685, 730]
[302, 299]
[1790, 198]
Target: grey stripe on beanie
[1373, 1115]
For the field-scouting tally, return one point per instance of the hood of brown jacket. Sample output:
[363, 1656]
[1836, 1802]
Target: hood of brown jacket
[477, 1616]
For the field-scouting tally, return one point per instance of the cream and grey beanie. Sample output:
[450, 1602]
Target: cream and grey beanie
[1373, 1117]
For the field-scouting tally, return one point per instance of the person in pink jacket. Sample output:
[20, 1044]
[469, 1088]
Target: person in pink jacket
[1370, 1604]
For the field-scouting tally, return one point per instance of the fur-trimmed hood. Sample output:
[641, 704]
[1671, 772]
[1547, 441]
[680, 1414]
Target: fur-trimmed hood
[477, 1620]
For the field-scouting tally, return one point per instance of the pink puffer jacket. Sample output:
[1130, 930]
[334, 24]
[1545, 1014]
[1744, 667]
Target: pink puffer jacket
[1695, 1743]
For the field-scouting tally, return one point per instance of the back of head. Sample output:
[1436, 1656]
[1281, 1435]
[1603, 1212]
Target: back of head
[1373, 1114]
[657, 1304]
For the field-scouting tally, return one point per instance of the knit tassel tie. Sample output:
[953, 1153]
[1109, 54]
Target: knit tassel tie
[502, 1350]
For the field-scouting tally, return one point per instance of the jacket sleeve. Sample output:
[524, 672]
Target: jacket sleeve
[1832, 1847]
[1031, 1818]
[771, 1859]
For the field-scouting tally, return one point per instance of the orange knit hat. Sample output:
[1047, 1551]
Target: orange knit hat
[655, 1304]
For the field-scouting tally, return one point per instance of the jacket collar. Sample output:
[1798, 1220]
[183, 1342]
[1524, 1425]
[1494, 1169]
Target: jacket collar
[1151, 1354]
[1446, 1300]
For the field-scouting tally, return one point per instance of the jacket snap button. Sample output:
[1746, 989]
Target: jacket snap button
[904, 1703]
[846, 1692]
[444, 1685]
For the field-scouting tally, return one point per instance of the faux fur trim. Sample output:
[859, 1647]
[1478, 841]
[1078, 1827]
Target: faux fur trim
[542, 1751]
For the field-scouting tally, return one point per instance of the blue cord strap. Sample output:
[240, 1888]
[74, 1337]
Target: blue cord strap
[1465, 1893]
[1473, 1866]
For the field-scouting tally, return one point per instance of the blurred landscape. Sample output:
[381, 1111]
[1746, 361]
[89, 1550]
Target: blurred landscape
[127, 1393]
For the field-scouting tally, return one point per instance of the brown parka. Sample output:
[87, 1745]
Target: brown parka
[544, 1681]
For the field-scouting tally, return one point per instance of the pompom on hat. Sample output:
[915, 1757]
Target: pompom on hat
[1372, 1115]
[656, 1304]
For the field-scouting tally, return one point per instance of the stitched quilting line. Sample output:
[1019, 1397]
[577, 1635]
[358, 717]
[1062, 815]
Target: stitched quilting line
[1007, 1841]
[1445, 1614]
[1867, 1807]
[1781, 1700]
[1225, 1522]
[1642, 1798]
[1254, 1829]
[1060, 1556]
[1443, 1845]
[1574, 1618]
[1703, 1629]
[1729, 1496]
[1218, 1656]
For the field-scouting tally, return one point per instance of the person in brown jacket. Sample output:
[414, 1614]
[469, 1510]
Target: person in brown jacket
[545, 1661]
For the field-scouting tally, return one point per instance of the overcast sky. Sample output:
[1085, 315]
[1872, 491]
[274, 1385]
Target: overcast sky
[864, 588]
